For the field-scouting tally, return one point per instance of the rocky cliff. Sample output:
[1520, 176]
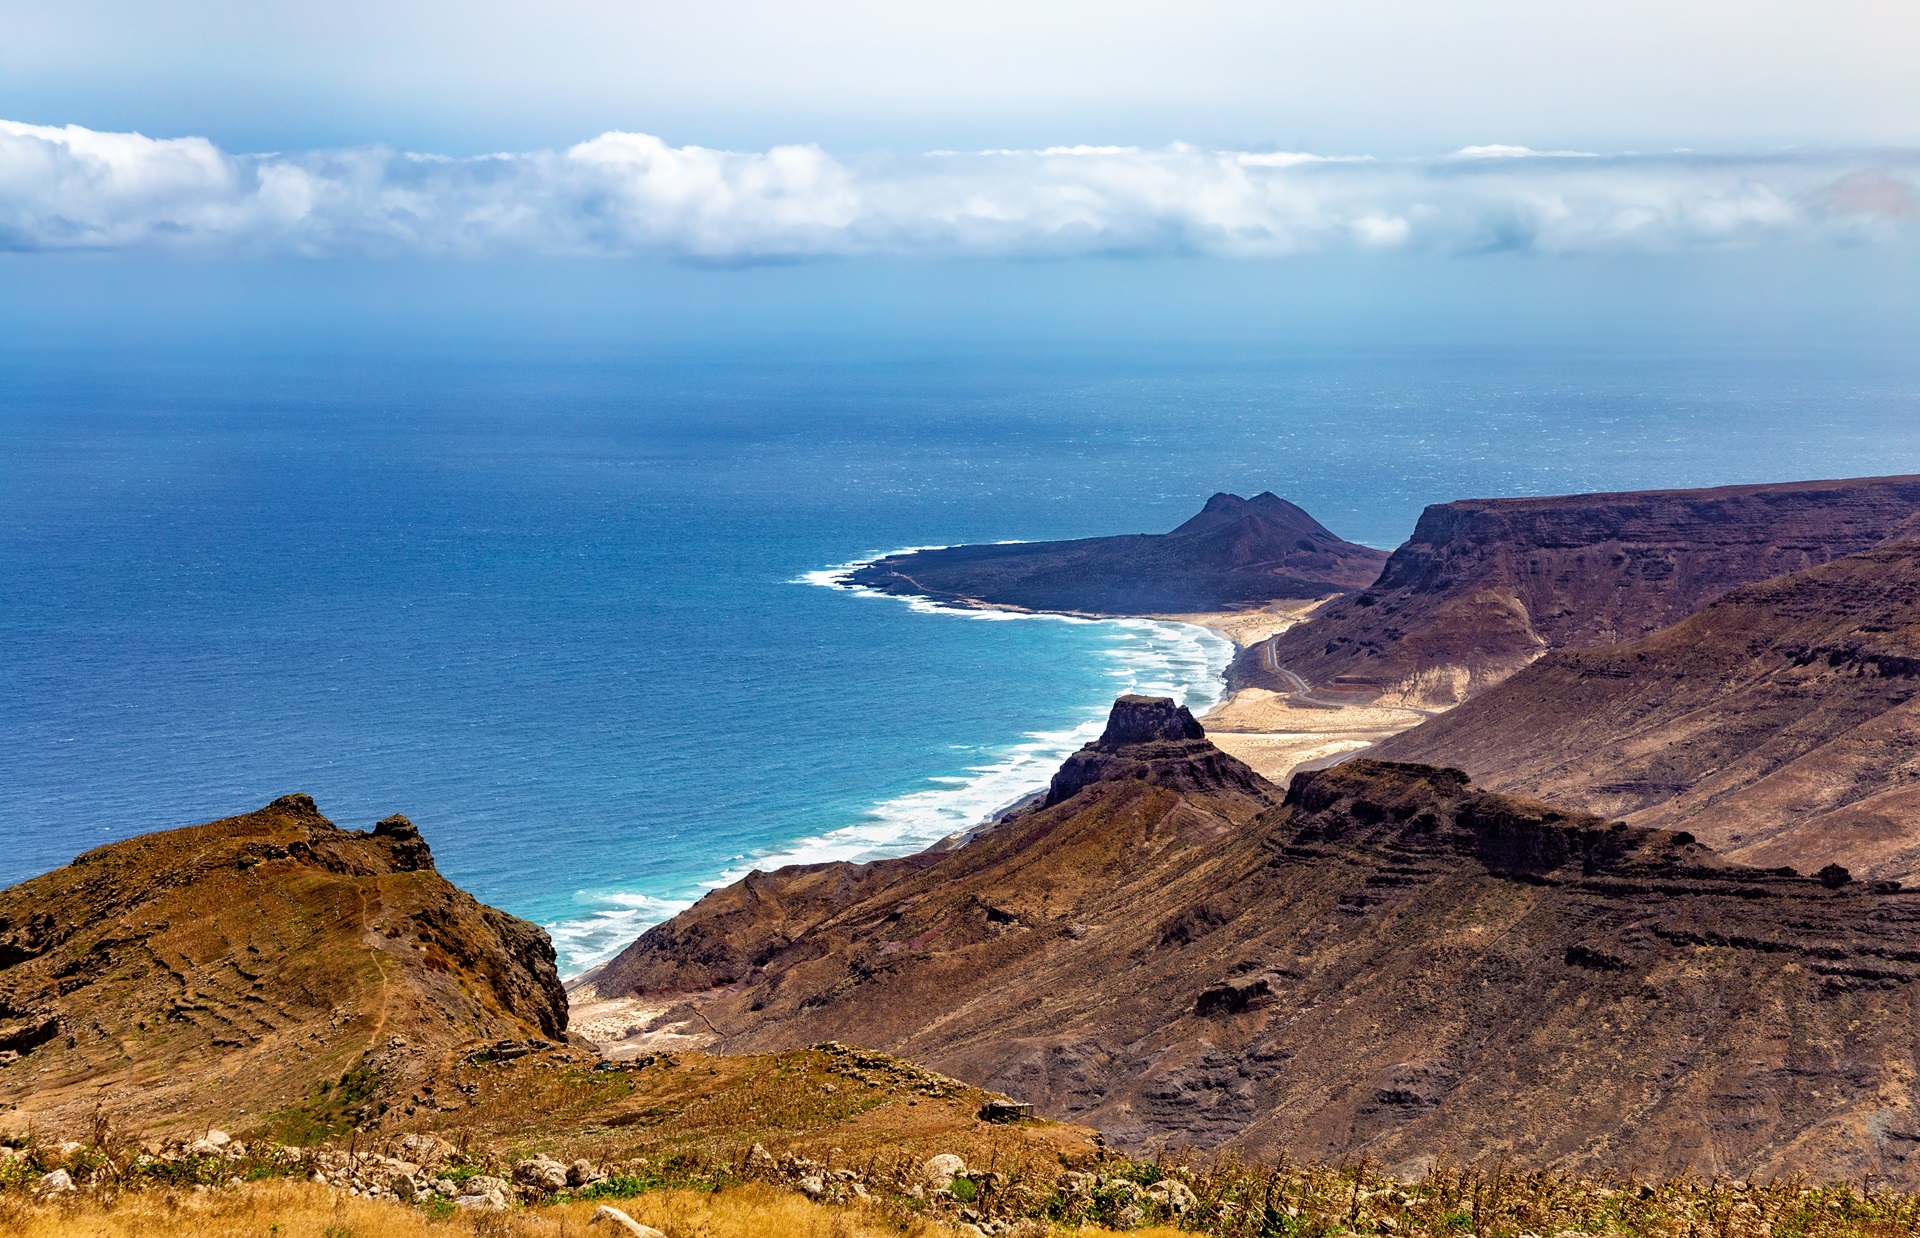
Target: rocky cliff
[1780, 724]
[1390, 962]
[232, 969]
[1235, 553]
[1485, 586]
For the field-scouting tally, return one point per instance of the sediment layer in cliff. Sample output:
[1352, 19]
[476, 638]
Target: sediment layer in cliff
[1391, 962]
[1486, 586]
[231, 969]
[1781, 724]
[1236, 553]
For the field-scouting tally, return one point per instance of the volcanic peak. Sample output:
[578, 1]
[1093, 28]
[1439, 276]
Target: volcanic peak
[1155, 740]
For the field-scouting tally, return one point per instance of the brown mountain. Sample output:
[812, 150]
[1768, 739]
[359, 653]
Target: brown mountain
[1485, 586]
[1390, 963]
[1780, 724]
[1236, 553]
[228, 969]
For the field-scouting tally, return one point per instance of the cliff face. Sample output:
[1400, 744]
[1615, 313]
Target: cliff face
[1391, 962]
[1236, 553]
[227, 969]
[1485, 586]
[1780, 724]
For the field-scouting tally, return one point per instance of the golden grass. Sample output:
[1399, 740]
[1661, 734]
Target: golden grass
[306, 1210]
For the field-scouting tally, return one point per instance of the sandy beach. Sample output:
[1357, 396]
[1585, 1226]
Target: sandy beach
[1280, 732]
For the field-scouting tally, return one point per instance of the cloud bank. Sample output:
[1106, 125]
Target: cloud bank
[631, 193]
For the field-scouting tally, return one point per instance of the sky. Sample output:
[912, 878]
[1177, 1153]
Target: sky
[1625, 149]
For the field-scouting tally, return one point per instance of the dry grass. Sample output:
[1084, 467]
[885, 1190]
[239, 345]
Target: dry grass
[1234, 1201]
[304, 1210]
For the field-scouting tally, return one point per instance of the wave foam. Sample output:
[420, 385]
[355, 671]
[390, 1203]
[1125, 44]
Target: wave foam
[1154, 657]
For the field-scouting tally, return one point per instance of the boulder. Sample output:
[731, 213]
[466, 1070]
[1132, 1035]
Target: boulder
[582, 1173]
[941, 1170]
[813, 1186]
[483, 1194]
[483, 1201]
[1171, 1195]
[59, 1182]
[621, 1223]
[542, 1173]
[426, 1150]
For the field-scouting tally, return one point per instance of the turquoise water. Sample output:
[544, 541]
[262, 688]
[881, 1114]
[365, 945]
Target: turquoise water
[574, 614]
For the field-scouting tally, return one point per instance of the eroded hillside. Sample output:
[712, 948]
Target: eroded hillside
[1392, 962]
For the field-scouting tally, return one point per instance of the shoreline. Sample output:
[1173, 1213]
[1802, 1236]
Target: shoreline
[940, 812]
[1266, 729]
[1255, 725]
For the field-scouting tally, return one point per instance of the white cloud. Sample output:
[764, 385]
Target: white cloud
[73, 188]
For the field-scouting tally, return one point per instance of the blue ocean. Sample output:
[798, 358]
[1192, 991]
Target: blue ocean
[574, 613]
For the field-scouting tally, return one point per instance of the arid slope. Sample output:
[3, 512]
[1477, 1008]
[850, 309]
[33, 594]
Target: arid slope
[1780, 724]
[1485, 586]
[225, 970]
[1391, 963]
[1235, 553]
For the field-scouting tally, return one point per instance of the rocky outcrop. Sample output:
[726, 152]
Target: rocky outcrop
[231, 967]
[1390, 962]
[1236, 554]
[1781, 724]
[1486, 586]
[1156, 741]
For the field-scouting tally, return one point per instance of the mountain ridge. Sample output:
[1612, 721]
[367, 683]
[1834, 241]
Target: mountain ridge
[1779, 723]
[1485, 586]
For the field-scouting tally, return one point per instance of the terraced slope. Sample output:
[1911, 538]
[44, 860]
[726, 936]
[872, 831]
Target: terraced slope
[1390, 963]
[1781, 724]
[1485, 586]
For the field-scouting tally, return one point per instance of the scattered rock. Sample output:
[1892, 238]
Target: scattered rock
[542, 1173]
[582, 1173]
[941, 1170]
[622, 1223]
[489, 1201]
[759, 1157]
[59, 1182]
[1174, 1196]
[1000, 1109]
[426, 1150]
[813, 1185]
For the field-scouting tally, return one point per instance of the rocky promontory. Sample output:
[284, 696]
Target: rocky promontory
[1235, 554]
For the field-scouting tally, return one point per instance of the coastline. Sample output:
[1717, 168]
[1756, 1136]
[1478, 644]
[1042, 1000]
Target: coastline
[1274, 732]
[1138, 653]
[1281, 733]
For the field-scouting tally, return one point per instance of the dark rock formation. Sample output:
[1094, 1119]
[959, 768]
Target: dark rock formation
[1392, 962]
[1237, 553]
[1485, 586]
[1781, 724]
[1157, 741]
[227, 969]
